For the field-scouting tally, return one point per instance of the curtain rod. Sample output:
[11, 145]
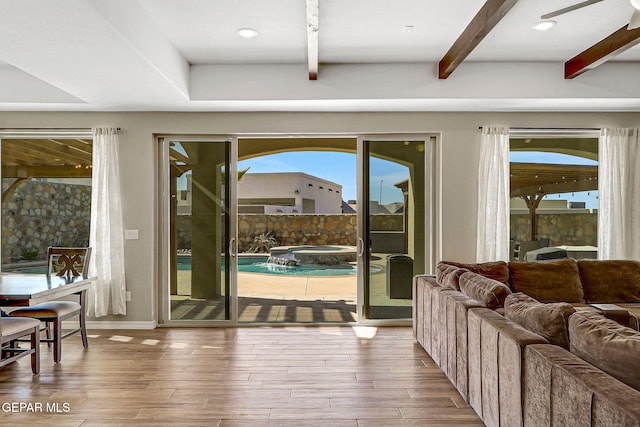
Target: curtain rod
[47, 129]
[550, 129]
[54, 132]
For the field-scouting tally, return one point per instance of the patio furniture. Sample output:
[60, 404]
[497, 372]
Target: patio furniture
[68, 263]
[10, 331]
[526, 246]
[512, 250]
[545, 253]
[581, 252]
[544, 242]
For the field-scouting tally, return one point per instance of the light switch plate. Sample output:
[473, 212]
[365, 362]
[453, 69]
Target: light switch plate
[132, 234]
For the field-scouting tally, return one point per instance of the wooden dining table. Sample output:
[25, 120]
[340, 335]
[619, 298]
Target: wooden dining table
[31, 289]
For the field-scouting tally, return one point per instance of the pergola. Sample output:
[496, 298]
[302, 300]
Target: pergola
[23, 159]
[533, 181]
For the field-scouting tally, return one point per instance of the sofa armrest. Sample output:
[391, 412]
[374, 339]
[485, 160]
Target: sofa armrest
[424, 287]
[496, 349]
[562, 390]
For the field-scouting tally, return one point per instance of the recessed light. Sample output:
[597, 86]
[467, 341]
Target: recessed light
[407, 28]
[544, 25]
[247, 33]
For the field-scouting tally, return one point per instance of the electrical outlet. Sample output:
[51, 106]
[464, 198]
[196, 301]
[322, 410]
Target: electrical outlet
[127, 296]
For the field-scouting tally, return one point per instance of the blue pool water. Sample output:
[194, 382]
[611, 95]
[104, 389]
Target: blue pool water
[258, 264]
[29, 270]
[254, 264]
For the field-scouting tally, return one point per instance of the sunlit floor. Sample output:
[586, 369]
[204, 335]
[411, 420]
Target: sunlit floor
[290, 376]
[297, 299]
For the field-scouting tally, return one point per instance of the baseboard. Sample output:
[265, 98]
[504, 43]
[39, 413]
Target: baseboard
[112, 324]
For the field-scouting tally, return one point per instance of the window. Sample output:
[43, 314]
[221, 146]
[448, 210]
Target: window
[46, 198]
[554, 197]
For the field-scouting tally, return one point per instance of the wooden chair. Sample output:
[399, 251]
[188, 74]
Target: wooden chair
[10, 331]
[65, 262]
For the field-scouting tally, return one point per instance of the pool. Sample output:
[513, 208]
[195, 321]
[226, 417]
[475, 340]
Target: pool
[255, 264]
[258, 264]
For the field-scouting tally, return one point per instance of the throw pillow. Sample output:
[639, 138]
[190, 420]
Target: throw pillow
[555, 280]
[549, 320]
[610, 281]
[496, 270]
[448, 276]
[488, 292]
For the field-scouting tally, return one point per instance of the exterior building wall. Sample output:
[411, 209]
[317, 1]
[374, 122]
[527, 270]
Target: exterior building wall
[42, 214]
[296, 185]
[562, 229]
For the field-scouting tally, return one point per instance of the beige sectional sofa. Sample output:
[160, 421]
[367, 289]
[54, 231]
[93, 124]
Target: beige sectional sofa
[523, 345]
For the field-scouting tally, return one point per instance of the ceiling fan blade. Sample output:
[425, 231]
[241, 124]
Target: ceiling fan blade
[569, 9]
[635, 20]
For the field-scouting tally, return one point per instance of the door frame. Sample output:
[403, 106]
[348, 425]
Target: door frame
[432, 218]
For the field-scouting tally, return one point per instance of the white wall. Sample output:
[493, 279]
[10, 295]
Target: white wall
[457, 164]
[285, 185]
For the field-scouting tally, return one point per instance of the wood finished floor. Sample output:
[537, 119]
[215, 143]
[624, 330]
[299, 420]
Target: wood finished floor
[282, 376]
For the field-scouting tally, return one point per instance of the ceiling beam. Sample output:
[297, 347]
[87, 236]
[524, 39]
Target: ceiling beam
[487, 17]
[313, 12]
[601, 52]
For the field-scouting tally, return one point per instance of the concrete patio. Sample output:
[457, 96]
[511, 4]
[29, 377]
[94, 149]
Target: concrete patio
[292, 299]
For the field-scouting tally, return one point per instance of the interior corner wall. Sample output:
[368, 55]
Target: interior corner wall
[458, 151]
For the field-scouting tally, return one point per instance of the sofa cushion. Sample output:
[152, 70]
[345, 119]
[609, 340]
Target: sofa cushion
[607, 281]
[548, 320]
[448, 275]
[555, 280]
[490, 293]
[496, 270]
[607, 345]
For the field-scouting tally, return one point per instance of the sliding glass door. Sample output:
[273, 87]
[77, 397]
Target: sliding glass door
[395, 217]
[201, 229]
[281, 230]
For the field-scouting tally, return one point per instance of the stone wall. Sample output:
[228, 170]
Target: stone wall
[42, 214]
[297, 229]
[562, 229]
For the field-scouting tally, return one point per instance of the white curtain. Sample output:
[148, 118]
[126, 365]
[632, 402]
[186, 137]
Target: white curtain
[619, 194]
[493, 196]
[107, 233]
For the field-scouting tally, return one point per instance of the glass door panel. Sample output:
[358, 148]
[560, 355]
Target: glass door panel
[296, 230]
[201, 262]
[393, 215]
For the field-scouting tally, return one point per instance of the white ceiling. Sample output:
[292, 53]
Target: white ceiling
[185, 55]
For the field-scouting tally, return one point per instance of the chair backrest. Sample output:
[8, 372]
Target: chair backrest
[68, 262]
[526, 246]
